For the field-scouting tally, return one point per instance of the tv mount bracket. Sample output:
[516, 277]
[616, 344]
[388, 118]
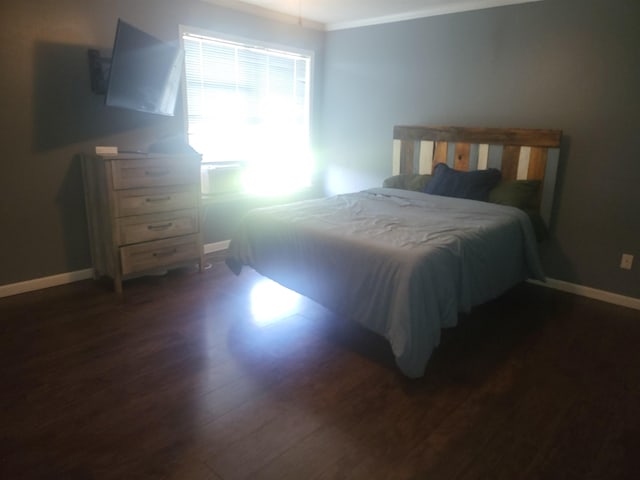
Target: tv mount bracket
[99, 68]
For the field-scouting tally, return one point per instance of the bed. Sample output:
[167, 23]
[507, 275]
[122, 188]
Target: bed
[403, 263]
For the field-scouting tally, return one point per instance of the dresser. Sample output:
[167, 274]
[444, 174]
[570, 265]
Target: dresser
[143, 213]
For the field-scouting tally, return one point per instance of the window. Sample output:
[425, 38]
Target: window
[249, 104]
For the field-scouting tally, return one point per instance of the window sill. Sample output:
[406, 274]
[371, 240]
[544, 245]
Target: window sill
[230, 197]
[208, 198]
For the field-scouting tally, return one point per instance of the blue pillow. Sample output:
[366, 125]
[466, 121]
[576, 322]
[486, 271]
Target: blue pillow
[474, 185]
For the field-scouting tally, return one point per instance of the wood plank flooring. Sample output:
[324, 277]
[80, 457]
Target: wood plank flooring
[176, 380]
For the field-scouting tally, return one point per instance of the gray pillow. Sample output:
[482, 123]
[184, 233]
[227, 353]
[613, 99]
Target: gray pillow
[410, 181]
[517, 193]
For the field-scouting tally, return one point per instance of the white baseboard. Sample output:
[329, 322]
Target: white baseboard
[70, 277]
[44, 282]
[589, 292]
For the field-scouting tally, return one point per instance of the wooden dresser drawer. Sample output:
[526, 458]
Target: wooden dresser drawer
[143, 228]
[159, 254]
[154, 172]
[151, 200]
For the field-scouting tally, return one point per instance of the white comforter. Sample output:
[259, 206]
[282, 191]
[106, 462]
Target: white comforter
[401, 263]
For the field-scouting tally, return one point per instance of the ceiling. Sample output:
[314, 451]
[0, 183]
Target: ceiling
[340, 14]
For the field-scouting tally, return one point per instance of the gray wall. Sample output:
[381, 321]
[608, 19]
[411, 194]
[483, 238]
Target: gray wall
[48, 114]
[567, 64]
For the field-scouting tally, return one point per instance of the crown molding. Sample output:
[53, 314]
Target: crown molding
[443, 8]
[438, 7]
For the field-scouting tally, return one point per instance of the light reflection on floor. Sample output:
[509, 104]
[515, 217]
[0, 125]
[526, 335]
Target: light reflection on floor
[271, 302]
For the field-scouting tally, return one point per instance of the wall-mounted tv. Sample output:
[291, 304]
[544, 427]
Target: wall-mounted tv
[145, 72]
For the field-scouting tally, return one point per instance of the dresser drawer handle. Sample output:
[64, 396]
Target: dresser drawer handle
[166, 253]
[156, 172]
[162, 226]
[158, 199]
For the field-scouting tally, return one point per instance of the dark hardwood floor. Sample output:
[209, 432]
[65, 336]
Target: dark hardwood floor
[177, 380]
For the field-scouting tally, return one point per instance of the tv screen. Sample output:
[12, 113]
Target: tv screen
[145, 72]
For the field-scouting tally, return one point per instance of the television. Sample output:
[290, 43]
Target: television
[144, 73]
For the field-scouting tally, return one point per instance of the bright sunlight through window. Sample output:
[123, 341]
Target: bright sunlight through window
[271, 302]
[249, 105]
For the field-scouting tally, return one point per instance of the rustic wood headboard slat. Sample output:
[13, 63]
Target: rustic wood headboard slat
[440, 153]
[502, 136]
[537, 163]
[510, 157]
[461, 156]
[406, 156]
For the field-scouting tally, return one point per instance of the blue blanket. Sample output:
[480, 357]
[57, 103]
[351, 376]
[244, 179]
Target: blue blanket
[401, 263]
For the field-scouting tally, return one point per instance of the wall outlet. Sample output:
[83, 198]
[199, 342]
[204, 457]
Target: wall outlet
[627, 261]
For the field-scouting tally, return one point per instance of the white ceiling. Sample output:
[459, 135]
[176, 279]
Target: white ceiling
[339, 14]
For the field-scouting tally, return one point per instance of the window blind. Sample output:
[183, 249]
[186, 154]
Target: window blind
[245, 103]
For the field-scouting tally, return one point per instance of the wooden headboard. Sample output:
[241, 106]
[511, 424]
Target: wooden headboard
[521, 154]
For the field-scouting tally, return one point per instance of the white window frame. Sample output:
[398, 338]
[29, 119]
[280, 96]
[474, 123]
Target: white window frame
[261, 170]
